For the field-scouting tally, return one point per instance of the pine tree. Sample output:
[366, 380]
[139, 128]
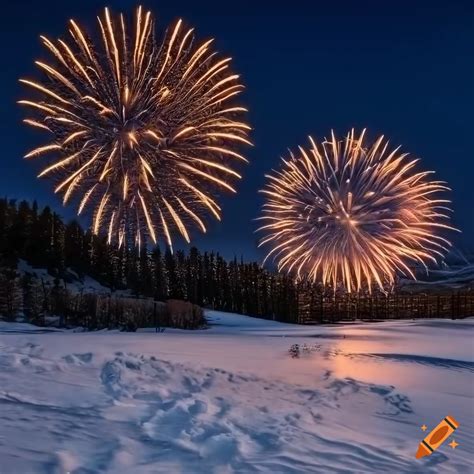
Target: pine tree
[160, 282]
[21, 231]
[146, 282]
[4, 224]
[43, 233]
[33, 304]
[114, 268]
[172, 275]
[12, 234]
[180, 260]
[234, 287]
[132, 270]
[101, 261]
[223, 295]
[57, 258]
[74, 248]
[10, 294]
[121, 267]
[193, 275]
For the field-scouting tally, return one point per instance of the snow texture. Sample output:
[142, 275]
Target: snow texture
[230, 399]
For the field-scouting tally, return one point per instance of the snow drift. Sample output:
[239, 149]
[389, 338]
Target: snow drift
[231, 400]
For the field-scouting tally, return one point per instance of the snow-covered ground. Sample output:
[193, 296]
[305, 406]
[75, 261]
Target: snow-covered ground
[230, 399]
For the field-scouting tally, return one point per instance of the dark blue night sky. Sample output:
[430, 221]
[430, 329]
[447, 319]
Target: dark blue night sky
[404, 69]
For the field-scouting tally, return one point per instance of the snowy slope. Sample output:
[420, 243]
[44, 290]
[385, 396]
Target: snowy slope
[231, 400]
[451, 279]
[75, 284]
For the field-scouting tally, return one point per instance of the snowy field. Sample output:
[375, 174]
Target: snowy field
[230, 399]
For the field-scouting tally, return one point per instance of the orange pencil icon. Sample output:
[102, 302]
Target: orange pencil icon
[437, 437]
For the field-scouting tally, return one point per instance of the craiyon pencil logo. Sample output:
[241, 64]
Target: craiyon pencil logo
[437, 437]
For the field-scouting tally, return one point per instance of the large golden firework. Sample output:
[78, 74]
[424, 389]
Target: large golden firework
[349, 214]
[144, 133]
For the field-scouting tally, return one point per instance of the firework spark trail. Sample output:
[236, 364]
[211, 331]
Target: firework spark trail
[144, 134]
[346, 214]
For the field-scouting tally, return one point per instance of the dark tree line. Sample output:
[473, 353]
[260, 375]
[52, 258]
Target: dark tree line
[44, 240]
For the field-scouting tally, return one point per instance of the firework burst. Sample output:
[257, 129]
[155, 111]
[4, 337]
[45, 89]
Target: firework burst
[145, 134]
[347, 214]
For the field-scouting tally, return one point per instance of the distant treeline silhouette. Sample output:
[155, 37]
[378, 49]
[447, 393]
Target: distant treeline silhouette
[325, 307]
[44, 240]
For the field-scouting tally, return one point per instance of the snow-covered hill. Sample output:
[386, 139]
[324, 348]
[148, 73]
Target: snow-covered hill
[73, 282]
[231, 400]
[455, 278]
